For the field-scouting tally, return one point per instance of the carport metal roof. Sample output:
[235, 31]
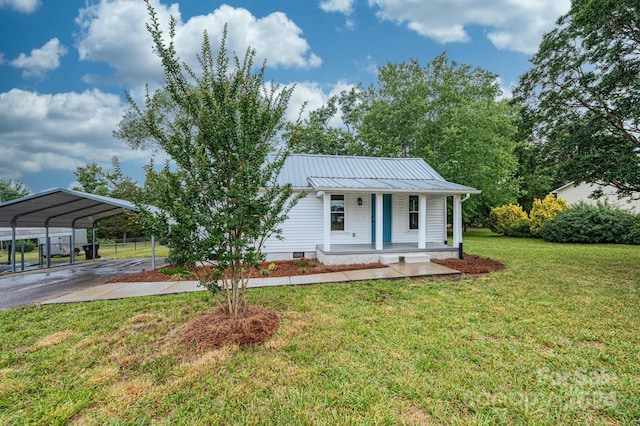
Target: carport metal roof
[60, 208]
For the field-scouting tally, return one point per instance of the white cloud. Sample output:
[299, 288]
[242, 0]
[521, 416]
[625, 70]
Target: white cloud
[315, 97]
[341, 6]
[41, 60]
[274, 37]
[514, 24]
[24, 6]
[42, 132]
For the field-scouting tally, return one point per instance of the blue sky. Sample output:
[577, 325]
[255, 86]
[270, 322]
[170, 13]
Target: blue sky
[64, 65]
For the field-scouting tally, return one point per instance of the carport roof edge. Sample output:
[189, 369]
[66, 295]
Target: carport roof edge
[60, 207]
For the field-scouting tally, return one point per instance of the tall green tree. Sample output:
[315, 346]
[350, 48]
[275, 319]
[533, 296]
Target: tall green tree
[219, 194]
[446, 113]
[94, 179]
[581, 96]
[12, 189]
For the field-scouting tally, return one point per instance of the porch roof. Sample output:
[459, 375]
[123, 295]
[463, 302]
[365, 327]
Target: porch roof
[366, 174]
[395, 185]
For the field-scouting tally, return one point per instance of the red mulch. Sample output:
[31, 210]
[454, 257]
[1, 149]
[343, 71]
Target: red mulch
[471, 265]
[284, 268]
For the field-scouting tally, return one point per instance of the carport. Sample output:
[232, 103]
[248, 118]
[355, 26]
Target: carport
[61, 208]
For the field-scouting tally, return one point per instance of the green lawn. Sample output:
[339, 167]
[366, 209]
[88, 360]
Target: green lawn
[110, 251]
[552, 339]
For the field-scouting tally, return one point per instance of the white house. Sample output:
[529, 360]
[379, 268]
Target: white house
[573, 194]
[366, 209]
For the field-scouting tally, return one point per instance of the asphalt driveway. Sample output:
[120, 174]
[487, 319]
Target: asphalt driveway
[35, 286]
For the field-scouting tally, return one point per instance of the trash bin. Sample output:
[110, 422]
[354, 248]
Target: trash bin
[88, 251]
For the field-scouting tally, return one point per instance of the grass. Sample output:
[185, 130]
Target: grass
[110, 251]
[552, 339]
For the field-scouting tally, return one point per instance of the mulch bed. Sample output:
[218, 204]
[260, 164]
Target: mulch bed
[471, 265]
[212, 330]
[284, 268]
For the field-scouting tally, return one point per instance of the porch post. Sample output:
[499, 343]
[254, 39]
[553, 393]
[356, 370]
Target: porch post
[457, 221]
[422, 221]
[326, 229]
[379, 220]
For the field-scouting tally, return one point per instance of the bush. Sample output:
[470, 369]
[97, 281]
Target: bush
[508, 220]
[589, 224]
[633, 236]
[544, 211]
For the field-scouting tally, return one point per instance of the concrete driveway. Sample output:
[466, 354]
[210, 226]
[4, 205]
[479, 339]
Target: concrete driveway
[35, 286]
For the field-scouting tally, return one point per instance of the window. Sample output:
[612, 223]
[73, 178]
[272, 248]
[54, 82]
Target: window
[337, 212]
[413, 212]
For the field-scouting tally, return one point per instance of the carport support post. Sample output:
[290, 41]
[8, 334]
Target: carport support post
[153, 253]
[22, 255]
[93, 243]
[48, 240]
[13, 247]
[72, 246]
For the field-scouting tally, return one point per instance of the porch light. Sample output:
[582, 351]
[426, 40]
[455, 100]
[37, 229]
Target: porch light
[359, 201]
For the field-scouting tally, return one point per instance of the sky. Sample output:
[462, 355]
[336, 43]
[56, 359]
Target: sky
[65, 65]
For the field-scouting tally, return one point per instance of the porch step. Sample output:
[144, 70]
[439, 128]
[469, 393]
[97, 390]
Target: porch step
[386, 259]
[417, 258]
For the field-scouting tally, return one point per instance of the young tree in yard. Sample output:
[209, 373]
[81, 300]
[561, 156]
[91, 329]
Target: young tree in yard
[219, 193]
[582, 94]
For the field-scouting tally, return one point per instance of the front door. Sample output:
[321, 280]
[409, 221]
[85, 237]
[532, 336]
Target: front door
[386, 219]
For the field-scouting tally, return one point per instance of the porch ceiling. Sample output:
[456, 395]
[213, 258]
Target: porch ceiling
[392, 185]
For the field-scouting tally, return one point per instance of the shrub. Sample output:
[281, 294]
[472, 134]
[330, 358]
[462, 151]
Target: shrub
[584, 223]
[508, 219]
[544, 211]
[633, 236]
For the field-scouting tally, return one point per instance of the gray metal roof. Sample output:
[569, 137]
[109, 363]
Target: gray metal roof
[60, 208]
[335, 172]
[394, 185]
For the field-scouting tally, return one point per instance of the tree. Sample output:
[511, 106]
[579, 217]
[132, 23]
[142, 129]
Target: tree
[443, 112]
[12, 189]
[581, 96]
[93, 179]
[219, 194]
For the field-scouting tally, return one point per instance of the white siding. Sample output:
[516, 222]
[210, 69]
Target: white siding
[400, 232]
[357, 226]
[436, 217]
[573, 194]
[302, 231]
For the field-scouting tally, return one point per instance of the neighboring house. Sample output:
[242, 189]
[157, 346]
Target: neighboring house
[366, 209]
[573, 194]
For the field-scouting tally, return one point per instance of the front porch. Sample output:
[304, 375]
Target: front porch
[344, 254]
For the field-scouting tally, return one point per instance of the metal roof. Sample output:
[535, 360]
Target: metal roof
[61, 208]
[337, 172]
[394, 185]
